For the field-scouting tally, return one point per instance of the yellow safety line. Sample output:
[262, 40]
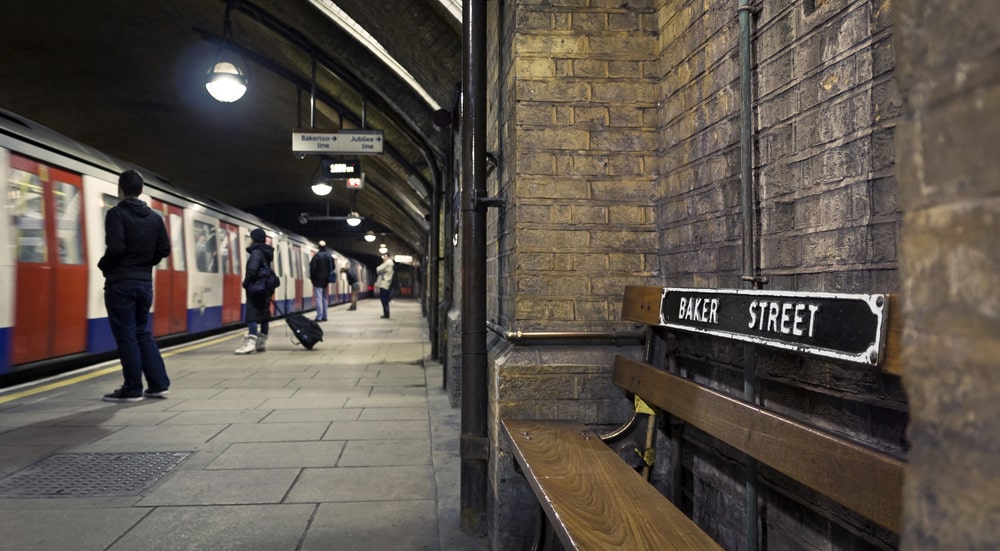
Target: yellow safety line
[102, 372]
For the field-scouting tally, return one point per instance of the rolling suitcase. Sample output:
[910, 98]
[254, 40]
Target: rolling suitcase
[306, 331]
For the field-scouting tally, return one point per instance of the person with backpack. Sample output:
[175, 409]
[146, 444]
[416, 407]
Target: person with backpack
[386, 272]
[321, 274]
[258, 311]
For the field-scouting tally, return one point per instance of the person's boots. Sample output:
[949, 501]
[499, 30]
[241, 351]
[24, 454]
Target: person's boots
[261, 342]
[249, 345]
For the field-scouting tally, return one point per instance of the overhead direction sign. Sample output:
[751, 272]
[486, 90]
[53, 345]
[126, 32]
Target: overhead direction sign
[843, 326]
[358, 142]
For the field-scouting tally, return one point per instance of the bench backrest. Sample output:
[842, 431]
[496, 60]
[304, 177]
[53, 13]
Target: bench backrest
[861, 479]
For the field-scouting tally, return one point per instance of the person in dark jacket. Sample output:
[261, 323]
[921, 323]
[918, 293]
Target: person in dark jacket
[258, 311]
[136, 240]
[352, 282]
[320, 269]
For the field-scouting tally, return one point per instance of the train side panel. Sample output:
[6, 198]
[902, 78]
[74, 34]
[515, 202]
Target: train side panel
[205, 281]
[7, 271]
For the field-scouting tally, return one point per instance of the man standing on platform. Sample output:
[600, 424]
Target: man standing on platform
[321, 273]
[136, 240]
[352, 282]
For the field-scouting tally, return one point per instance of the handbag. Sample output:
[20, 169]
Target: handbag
[265, 282]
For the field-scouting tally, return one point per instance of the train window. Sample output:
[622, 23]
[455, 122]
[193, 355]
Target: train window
[27, 203]
[206, 254]
[177, 242]
[68, 234]
[165, 263]
[234, 251]
[225, 250]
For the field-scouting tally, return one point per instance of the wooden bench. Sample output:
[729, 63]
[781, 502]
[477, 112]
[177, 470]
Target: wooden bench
[594, 500]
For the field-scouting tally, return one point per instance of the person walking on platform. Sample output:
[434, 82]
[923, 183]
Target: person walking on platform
[321, 274]
[385, 272]
[136, 240]
[352, 282]
[258, 311]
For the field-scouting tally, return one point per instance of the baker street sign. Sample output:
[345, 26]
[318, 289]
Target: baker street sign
[842, 326]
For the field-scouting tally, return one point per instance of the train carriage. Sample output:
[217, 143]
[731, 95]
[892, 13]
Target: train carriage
[56, 194]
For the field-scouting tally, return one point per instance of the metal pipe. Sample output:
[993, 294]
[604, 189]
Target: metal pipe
[749, 256]
[474, 452]
[520, 336]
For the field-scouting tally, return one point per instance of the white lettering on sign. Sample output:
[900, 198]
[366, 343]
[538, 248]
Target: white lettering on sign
[705, 310]
[787, 318]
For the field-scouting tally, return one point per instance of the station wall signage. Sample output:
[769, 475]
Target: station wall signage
[842, 326]
[357, 142]
[350, 168]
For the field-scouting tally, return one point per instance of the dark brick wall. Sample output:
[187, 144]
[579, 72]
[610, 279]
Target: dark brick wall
[617, 130]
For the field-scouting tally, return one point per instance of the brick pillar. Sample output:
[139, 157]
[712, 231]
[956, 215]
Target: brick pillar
[946, 55]
[575, 93]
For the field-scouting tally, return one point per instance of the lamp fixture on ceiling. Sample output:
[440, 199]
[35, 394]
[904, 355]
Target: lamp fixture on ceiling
[370, 236]
[226, 81]
[321, 188]
[382, 249]
[353, 219]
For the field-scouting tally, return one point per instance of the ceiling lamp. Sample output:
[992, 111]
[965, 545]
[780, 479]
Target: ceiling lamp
[353, 219]
[382, 249]
[225, 81]
[322, 188]
[370, 236]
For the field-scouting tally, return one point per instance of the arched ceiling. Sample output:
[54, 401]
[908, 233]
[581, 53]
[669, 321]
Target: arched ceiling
[127, 77]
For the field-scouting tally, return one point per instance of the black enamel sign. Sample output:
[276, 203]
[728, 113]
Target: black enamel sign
[842, 326]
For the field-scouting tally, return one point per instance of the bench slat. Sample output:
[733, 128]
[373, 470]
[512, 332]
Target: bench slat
[594, 499]
[861, 479]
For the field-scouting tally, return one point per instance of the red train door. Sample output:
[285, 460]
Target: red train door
[170, 292]
[231, 269]
[50, 314]
[295, 274]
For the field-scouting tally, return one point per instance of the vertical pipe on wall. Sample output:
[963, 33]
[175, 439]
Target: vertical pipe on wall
[749, 260]
[474, 395]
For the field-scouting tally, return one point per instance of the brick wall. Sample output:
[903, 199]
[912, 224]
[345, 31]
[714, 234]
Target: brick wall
[825, 109]
[617, 129]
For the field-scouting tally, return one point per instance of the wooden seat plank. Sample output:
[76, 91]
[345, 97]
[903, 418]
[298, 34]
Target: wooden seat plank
[594, 499]
[859, 478]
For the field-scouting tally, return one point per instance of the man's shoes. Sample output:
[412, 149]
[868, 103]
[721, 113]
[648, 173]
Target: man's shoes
[353, 308]
[150, 393]
[384, 318]
[118, 396]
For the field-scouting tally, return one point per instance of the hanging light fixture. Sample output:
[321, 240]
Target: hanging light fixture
[321, 188]
[370, 236]
[382, 249]
[353, 219]
[226, 81]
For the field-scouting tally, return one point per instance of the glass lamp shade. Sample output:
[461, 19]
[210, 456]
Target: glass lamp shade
[382, 249]
[322, 189]
[353, 219]
[226, 82]
[370, 237]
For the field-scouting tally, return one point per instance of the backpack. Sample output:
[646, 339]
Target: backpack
[265, 282]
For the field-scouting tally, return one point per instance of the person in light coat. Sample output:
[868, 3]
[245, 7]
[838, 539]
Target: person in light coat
[383, 283]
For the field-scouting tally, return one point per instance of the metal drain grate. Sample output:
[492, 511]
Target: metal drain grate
[91, 474]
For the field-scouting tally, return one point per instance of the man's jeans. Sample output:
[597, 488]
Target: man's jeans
[128, 305]
[322, 296]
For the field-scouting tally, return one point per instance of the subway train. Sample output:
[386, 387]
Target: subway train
[56, 192]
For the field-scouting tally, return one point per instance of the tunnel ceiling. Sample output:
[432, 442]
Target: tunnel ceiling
[127, 78]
